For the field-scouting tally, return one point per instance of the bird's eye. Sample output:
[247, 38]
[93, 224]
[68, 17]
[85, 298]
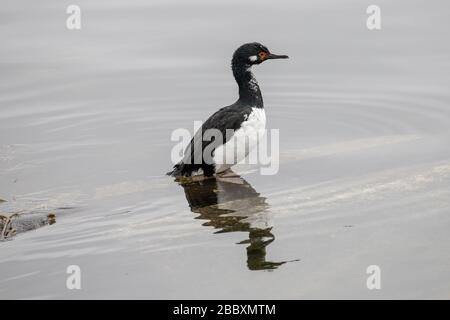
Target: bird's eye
[262, 55]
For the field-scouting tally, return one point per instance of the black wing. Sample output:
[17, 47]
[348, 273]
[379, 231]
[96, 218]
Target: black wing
[230, 117]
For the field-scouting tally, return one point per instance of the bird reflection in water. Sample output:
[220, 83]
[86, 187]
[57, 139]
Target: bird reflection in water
[232, 205]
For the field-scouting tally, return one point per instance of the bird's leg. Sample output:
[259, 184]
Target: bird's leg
[201, 178]
[191, 179]
[229, 176]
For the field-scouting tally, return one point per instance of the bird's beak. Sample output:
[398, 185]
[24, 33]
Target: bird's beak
[276, 56]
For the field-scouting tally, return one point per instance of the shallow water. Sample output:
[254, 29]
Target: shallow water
[364, 117]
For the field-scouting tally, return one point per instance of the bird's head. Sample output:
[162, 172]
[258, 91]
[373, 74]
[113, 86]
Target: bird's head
[254, 53]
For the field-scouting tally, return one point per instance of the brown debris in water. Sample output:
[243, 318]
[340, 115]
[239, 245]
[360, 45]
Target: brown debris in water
[17, 223]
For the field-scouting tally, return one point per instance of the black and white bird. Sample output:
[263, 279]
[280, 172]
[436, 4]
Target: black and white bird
[245, 118]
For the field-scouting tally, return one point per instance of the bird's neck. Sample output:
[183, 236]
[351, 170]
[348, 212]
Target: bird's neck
[249, 92]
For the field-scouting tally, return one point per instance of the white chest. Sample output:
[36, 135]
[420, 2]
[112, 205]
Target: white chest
[256, 120]
[244, 140]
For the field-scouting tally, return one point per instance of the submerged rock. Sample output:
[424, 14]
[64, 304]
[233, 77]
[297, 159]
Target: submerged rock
[10, 225]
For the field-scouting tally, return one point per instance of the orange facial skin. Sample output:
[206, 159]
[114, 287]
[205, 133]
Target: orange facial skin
[263, 55]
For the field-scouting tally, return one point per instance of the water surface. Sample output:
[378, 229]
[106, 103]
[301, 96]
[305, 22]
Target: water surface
[364, 118]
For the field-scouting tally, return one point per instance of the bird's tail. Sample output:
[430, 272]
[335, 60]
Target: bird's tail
[179, 169]
[182, 169]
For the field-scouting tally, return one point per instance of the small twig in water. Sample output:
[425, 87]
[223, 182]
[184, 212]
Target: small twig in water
[7, 231]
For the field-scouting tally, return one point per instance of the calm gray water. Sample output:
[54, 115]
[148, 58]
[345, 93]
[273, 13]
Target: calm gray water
[364, 118]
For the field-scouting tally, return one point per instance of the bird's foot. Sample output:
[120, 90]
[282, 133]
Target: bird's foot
[229, 176]
[192, 179]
